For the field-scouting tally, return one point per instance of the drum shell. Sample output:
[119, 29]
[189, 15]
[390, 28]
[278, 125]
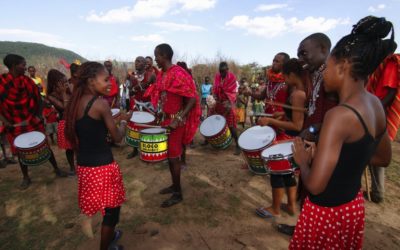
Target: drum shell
[132, 137]
[253, 157]
[36, 155]
[153, 147]
[220, 140]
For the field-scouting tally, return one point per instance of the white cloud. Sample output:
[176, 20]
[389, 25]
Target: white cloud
[33, 36]
[178, 26]
[146, 9]
[269, 26]
[315, 24]
[377, 8]
[153, 38]
[268, 7]
[197, 5]
[273, 26]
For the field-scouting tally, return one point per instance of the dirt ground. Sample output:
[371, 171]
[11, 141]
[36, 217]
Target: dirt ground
[217, 213]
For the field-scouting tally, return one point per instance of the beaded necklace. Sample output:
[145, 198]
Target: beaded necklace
[317, 79]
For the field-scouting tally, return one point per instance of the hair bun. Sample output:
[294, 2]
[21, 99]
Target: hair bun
[373, 27]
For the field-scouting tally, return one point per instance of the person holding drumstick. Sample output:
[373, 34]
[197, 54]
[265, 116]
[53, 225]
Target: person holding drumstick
[291, 122]
[353, 134]
[20, 103]
[139, 82]
[174, 94]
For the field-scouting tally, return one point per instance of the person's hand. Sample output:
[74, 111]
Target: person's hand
[302, 154]
[174, 124]
[278, 115]
[264, 121]
[227, 105]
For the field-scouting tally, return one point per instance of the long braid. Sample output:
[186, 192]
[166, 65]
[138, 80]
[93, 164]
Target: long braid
[366, 47]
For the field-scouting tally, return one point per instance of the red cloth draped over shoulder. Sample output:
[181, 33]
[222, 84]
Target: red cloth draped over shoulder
[386, 76]
[275, 77]
[177, 81]
[225, 89]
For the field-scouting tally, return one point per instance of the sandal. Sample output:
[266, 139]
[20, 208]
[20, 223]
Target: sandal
[175, 199]
[167, 190]
[60, 173]
[25, 184]
[263, 213]
[285, 208]
[285, 229]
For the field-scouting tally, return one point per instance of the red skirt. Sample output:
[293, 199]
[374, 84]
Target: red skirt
[61, 140]
[99, 188]
[340, 227]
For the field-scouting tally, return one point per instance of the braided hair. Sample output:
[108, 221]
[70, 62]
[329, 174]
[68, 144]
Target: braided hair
[53, 78]
[86, 71]
[365, 47]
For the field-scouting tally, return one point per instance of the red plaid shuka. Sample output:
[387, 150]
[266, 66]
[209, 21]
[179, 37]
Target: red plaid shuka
[177, 81]
[226, 90]
[20, 102]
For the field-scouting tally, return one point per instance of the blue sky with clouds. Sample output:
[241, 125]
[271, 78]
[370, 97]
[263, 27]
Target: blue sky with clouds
[245, 31]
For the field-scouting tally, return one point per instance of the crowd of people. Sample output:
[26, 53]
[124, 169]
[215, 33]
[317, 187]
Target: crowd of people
[339, 106]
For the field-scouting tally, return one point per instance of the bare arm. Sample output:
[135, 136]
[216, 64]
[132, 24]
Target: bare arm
[333, 134]
[103, 109]
[190, 102]
[383, 153]
[296, 124]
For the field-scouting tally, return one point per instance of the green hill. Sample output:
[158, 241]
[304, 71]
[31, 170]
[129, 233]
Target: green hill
[35, 50]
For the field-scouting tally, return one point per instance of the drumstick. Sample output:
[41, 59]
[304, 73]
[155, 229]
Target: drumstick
[150, 126]
[263, 114]
[286, 106]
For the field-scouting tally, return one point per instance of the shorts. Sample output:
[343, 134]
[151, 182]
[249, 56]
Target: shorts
[51, 128]
[282, 181]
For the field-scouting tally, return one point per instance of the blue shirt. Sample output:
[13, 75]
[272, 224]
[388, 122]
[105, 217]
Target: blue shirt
[205, 90]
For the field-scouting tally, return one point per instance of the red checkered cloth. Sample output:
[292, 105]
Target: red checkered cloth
[177, 81]
[99, 188]
[340, 227]
[20, 103]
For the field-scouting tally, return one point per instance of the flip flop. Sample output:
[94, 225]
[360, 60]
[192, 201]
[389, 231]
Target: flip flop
[285, 229]
[284, 208]
[263, 213]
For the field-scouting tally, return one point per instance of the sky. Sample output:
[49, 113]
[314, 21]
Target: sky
[198, 30]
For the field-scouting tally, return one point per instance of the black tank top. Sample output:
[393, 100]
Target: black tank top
[93, 149]
[345, 181]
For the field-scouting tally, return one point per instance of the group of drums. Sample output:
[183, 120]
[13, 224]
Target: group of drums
[263, 154]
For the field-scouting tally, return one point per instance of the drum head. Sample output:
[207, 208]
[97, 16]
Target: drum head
[256, 137]
[153, 131]
[212, 125]
[283, 148]
[29, 140]
[114, 112]
[142, 117]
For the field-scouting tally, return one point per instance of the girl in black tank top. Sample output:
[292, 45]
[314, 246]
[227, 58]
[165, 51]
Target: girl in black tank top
[88, 119]
[352, 134]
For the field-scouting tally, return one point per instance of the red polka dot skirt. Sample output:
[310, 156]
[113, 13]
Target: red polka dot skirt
[61, 140]
[340, 227]
[99, 188]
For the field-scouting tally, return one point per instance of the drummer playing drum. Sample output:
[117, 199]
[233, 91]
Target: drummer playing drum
[291, 121]
[20, 108]
[175, 94]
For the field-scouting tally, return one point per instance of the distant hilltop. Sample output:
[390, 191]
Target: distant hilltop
[34, 50]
